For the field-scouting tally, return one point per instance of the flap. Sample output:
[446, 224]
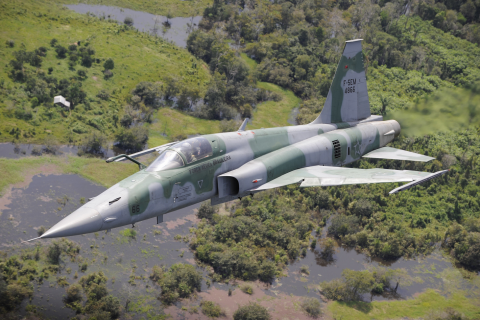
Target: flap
[321, 176]
[396, 154]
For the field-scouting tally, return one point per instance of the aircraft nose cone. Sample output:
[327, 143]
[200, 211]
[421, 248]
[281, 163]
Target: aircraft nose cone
[82, 220]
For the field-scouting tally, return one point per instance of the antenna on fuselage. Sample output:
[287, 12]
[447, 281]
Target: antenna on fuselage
[244, 125]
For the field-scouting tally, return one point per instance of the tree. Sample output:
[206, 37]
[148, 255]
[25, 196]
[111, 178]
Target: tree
[205, 211]
[133, 139]
[320, 34]
[400, 276]
[362, 208]
[109, 65]
[180, 281]
[53, 253]
[61, 51]
[252, 311]
[358, 282]
[74, 293]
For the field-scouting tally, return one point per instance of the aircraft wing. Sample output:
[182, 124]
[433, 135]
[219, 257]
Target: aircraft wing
[396, 154]
[321, 176]
[158, 149]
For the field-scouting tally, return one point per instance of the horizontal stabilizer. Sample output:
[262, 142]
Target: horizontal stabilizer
[321, 176]
[396, 154]
[417, 182]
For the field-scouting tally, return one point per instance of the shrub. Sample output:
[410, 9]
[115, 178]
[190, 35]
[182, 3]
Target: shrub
[74, 293]
[305, 269]
[335, 289]
[246, 288]
[211, 309]
[41, 230]
[251, 311]
[10, 43]
[322, 199]
[82, 74]
[53, 253]
[342, 225]
[111, 305]
[133, 139]
[157, 274]
[94, 143]
[108, 64]
[108, 74]
[149, 92]
[61, 51]
[312, 307]
[229, 125]
[53, 42]
[180, 282]
[362, 208]
[128, 21]
[205, 211]
[103, 94]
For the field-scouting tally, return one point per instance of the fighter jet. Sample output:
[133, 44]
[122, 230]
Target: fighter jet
[226, 166]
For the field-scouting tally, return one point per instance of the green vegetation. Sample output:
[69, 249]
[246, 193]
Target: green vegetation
[297, 46]
[256, 241]
[99, 304]
[18, 273]
[73, 64]
[251, 311]
[423, 305]
[246, 288]
[353, 284]
[211, 309]
[180, 281]
[312, 307]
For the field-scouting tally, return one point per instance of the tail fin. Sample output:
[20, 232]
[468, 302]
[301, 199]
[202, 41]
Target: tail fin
[347, 99]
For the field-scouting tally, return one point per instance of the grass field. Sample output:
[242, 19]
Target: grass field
[137, 56]
[271, 114]
[177, 8]
[419, 307]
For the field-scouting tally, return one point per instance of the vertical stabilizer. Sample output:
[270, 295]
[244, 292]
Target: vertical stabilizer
[347, 99]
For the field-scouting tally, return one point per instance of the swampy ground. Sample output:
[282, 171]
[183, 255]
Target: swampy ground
[39, 191]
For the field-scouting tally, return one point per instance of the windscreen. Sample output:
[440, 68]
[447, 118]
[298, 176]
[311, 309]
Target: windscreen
[167, 160]
[194, 149]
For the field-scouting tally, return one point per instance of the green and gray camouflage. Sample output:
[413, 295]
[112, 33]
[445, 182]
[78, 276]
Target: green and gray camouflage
[226, 166]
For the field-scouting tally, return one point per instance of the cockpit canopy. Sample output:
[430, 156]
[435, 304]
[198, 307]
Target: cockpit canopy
[193, 149]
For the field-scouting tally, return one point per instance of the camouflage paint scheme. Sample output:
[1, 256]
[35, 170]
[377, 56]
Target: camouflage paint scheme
[248, 161]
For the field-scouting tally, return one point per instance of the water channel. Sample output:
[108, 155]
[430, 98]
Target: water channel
[176, 30]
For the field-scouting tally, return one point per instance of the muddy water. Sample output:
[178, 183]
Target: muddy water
[177, 32]
[41, 204]
[49, 198]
